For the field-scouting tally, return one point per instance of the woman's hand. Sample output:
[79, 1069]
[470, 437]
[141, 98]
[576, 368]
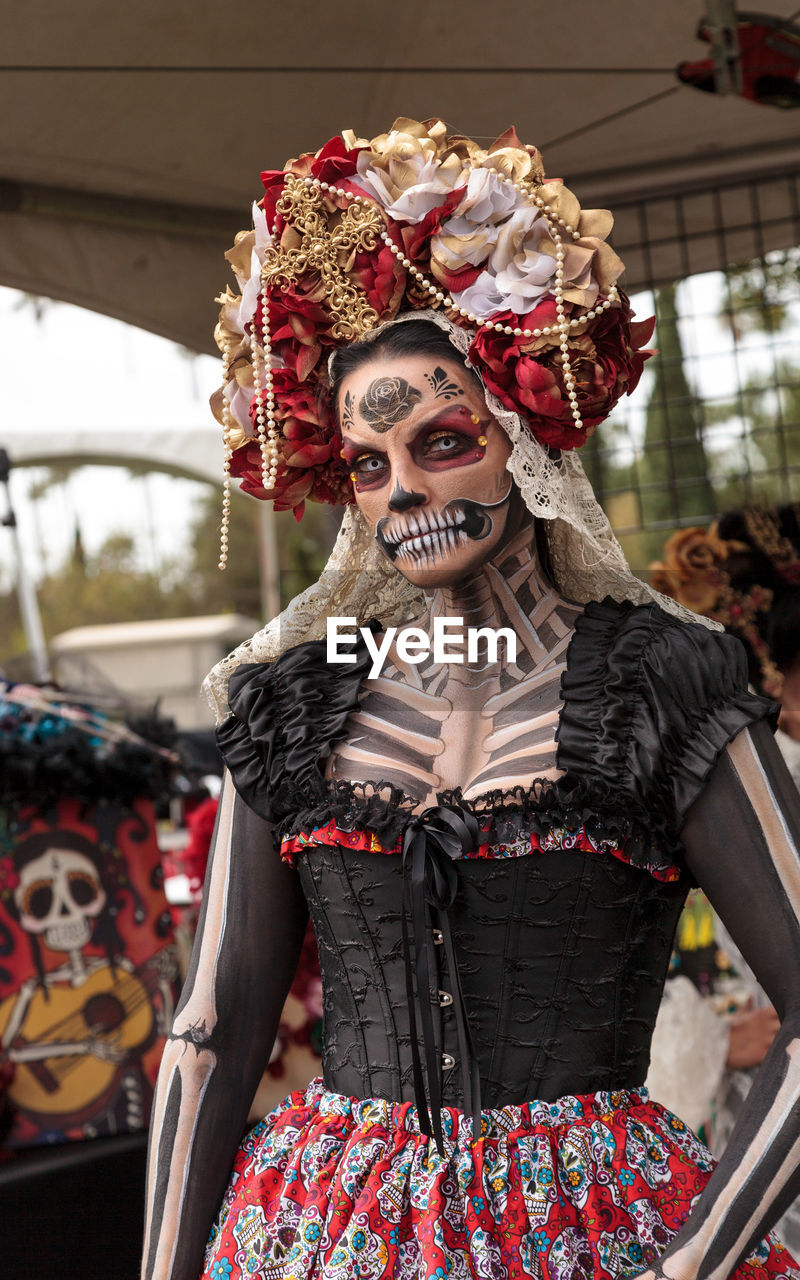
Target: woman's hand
[752, 1033]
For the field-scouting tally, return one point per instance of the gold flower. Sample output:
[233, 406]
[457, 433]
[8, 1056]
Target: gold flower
[240, 255]
[692, 571]
[513, 160]
[409, 157]
[228, 331]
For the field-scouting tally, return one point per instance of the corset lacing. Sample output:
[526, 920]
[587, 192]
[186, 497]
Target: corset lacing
[432, 843]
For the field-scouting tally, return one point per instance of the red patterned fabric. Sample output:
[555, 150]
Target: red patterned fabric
[587, 1188]
[556, 838]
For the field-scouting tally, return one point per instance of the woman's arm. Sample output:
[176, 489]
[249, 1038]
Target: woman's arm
[742, 838]
[248, 940]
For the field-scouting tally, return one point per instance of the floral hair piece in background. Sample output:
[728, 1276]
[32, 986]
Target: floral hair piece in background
[349, 237]
[734, 579]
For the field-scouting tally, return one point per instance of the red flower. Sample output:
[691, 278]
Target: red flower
[274, 181]
[309, 465]
[298, 327]
[528, 376]
[330, 164]
[9, 878]
[382, 278]
[417, 236]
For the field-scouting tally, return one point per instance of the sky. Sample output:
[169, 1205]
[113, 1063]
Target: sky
[76, 369]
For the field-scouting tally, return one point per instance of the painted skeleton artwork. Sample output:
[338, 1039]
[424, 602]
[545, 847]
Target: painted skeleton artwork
[75, 1032]
[438, 498]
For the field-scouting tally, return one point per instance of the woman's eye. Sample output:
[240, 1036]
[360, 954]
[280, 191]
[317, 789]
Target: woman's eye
[443, 442]
[368, 466]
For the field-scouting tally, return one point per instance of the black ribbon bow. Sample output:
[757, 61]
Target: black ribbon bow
[432, 843]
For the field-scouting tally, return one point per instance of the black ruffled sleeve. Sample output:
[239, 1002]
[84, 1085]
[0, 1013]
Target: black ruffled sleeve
[285, 717]
[650, 702]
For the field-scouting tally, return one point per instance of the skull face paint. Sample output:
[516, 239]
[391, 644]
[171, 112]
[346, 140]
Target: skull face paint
[432, 486]
[59, 896]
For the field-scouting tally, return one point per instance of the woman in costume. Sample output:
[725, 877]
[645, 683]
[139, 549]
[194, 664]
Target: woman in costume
[495, 851]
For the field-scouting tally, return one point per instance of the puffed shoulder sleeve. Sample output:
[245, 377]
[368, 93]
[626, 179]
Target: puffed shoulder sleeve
[693, 701]
[285, 718]
[247, 739]
[650, 703]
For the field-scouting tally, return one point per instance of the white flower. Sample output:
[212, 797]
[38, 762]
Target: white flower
[467, 238]
[407, 189]
[487, 199]
[517, 275]
[250, 291]
[483, 298]
[260, 240]
[523, 274]
[263, 237]
[239, 404]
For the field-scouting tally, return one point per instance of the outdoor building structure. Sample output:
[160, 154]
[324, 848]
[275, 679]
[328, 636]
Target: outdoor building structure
[163, 661]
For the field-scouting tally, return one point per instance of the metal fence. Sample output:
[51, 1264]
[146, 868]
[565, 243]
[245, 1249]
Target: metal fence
[715, 421]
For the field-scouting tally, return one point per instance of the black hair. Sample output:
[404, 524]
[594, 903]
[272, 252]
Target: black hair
[752, 566]
[411, 338]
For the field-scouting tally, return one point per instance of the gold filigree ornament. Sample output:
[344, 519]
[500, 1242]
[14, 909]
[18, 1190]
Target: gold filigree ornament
[326, 249]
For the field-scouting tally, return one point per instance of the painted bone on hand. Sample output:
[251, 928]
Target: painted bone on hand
[248, 940]
[742, 838]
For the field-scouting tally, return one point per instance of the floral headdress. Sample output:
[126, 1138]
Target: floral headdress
[347, 238]
[718, 577]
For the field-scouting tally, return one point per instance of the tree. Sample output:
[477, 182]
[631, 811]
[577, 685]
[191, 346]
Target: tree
[674, 483]
[303, 549]
[107, 588]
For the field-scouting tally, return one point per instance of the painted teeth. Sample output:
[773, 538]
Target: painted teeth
[410, 529]
[426, 547]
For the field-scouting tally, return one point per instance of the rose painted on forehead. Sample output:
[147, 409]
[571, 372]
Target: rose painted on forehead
[387, 401]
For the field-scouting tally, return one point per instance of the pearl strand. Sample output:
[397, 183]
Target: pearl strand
[266, 429]
[439, 296]
[563, 325]
[226, 464]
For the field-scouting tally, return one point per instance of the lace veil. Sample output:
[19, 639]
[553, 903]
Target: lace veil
[360, 582]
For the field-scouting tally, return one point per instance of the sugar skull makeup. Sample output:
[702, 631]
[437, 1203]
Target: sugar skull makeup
[428, 464]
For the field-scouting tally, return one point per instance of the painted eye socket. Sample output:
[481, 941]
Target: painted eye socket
[83, 889]
[38, 899]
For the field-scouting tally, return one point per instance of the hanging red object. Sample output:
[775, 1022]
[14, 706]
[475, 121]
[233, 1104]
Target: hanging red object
[754, 55]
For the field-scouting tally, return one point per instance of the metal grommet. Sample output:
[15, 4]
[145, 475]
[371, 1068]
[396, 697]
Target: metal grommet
[448, 1061]
[438, 937]
[445, 999]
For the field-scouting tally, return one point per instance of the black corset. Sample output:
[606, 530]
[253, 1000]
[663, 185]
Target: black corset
[562, 958]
